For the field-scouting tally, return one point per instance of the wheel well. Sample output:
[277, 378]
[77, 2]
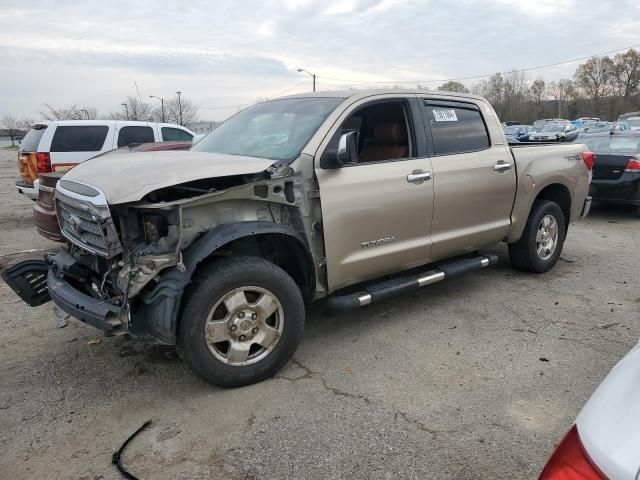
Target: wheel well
[285, 251]
[559, 194]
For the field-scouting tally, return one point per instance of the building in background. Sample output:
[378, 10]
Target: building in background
[202, 128]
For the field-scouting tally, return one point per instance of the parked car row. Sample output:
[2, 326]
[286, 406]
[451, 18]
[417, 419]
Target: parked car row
[560, 129]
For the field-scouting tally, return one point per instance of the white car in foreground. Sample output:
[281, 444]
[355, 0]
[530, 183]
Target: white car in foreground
[604, 443]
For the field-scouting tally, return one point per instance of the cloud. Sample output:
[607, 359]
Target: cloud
[230, 53]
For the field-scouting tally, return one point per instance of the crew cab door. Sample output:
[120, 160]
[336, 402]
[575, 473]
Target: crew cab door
[376, 211]
[474, 176]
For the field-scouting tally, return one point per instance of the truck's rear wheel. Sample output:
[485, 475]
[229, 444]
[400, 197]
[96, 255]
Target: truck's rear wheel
[541, 243]
[243, 320]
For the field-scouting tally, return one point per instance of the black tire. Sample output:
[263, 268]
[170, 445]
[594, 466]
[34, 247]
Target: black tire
[211, 285]
[523, 253]
[638, 211]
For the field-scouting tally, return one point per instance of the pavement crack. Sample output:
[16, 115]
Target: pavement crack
[405, 416]
[308, 373]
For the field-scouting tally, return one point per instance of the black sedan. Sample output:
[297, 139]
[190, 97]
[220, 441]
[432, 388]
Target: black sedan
[616, 173]
[519, 133]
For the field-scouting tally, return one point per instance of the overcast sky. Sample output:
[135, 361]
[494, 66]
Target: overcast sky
[222, 54]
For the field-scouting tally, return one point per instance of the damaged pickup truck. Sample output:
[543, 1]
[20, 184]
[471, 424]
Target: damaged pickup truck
[354, 196]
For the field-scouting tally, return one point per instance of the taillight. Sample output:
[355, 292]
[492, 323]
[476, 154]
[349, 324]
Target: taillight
[43, 162]
[589, 159]
[570, 461]
[633, 165]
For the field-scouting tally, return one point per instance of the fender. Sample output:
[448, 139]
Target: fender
[157, 314]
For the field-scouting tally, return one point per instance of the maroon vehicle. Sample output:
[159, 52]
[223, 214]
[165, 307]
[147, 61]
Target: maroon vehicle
[44, 209]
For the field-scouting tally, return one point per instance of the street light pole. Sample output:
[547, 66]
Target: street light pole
[126, 110]
[313, 75]
[179, 106]
[161, 105]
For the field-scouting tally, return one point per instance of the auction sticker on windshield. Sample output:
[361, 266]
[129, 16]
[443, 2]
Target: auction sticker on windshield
[444, 115]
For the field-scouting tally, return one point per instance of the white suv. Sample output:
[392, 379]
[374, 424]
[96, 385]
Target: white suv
[59, 145]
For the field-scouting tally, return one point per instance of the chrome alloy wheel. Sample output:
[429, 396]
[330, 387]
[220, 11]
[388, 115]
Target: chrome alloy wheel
[547, 237]
[244, 326]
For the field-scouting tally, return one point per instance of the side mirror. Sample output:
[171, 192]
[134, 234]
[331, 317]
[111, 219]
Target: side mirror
[348, 148]
[347, 152]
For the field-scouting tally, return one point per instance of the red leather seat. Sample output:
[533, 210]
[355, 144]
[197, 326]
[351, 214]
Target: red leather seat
[389, 142]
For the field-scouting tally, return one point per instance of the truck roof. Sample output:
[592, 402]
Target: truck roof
[363, 93]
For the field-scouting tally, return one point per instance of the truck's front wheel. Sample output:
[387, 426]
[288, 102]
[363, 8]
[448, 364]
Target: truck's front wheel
[541, 243]
[243, 320]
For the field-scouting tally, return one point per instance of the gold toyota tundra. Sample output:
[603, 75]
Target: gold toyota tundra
[355, 196]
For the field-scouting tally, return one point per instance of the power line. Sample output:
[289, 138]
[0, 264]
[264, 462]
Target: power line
[480, 76]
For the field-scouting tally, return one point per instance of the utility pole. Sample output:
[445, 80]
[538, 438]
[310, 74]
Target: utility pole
[161, 105]
[313, 75]
[126, 110]
[180, 106]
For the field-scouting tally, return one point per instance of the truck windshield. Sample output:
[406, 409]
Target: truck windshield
[277, 130]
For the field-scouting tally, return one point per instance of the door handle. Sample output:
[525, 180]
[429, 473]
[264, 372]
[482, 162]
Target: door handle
[502, 166]
[418, 176]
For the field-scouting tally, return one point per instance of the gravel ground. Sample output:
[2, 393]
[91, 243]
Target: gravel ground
[476, 378]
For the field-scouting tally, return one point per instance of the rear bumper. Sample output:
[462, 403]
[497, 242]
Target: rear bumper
[47, 223]
[26, 189]
[625, 190]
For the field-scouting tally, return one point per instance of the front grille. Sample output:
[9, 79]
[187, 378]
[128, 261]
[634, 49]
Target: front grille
[87, 225]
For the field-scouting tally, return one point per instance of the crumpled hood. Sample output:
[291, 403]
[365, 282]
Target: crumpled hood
[128, 177]
[609, 424]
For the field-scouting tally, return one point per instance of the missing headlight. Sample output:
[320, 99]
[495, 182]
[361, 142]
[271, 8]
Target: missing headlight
[155, 227]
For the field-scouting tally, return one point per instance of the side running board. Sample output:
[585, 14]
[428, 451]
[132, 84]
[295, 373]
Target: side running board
[390, 288]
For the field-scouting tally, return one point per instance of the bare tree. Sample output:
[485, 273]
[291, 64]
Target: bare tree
[182, 112]
[453, 86]
[594, 78]
[11, 124]
[626, 73]
[135, 109]
[26, 123]
[537, 90]
[72, 112]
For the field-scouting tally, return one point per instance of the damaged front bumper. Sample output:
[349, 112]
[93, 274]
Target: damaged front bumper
[97, 313]
[38, 281]
[151, 315]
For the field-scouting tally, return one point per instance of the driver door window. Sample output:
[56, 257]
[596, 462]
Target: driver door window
[383, 132]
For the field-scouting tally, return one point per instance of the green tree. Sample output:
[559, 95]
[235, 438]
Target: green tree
[453, 86]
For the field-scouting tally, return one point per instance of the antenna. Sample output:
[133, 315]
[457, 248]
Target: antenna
[138, 90]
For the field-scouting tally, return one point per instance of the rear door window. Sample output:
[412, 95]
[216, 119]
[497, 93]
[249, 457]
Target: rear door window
[88, 138]
[135, 134]
[170, 134]
[31, 140]
[456, 128]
